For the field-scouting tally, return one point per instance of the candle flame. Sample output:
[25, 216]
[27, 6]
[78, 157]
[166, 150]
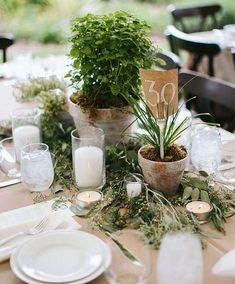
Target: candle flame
[200, 206]
[88, 195]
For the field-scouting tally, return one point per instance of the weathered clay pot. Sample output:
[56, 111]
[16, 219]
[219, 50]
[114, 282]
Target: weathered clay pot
[162, 176]
[112, 121]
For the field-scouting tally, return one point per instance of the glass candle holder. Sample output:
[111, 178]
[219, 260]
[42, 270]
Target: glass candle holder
[25, 128]
[133, 185]
[88, 157]
[8, 162]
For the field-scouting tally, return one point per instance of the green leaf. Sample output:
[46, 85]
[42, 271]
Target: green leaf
[115, 89]
[209, 234]
[203, 173]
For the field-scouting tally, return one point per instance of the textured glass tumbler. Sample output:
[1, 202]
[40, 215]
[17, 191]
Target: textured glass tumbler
[88, 157]
[180, 259]
[206, 149]
[8, 162]
[37, 170]
[124, 269]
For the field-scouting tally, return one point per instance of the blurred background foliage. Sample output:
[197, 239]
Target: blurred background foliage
[48, 21]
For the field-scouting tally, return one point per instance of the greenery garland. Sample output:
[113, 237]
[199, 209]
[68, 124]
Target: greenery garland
[150, 213]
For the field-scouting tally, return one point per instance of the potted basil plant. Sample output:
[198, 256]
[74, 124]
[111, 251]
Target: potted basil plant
[107, 52]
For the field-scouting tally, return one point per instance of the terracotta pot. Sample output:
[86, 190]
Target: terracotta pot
[162, 176]
[112, 121]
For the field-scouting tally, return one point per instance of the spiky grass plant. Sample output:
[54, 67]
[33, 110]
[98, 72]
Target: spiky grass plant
[158, 133]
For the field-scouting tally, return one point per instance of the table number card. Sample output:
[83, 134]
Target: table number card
[161, 91]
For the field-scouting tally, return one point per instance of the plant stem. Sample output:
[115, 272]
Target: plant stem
[161, 126]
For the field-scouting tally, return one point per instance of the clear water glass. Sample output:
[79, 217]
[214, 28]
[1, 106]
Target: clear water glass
[122, 269]
[88, 157]
[25, 128]
[228, 157]
[206, 149]
[37, 170]
[8, 162]
[180, 259]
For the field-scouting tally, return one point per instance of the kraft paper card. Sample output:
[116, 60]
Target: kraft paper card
[160, 91]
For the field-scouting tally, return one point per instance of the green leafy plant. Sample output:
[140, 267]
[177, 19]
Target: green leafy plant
[107, 52]
[33, 87]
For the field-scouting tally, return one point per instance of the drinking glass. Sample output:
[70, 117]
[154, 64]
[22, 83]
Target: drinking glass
[228, 158]
[126, 270]
[206, 149]
[25, 128]
[36, 167]
[180, 259]
[8, 162]
[88, 157]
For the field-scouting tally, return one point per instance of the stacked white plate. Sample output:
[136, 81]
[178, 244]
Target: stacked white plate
[72, 257]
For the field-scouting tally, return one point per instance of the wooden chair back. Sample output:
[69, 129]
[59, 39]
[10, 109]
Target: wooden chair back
[204, 17]
[213, 96]
[198, 46]
[172, 61]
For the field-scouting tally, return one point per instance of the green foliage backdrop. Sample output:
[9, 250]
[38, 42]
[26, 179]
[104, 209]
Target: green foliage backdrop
[51, 18]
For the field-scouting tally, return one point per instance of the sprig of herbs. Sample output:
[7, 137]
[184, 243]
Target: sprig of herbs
[32, 88]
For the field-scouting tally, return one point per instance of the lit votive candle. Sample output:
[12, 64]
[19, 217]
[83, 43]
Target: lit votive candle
[200, 208]
[133, 189]
[89, 163]
[86, 199]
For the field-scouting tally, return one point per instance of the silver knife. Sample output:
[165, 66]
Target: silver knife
[10, 182]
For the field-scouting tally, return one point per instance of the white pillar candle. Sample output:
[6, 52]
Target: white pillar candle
[87, 198]
[24, 135]
[88, 162]
[133, 189]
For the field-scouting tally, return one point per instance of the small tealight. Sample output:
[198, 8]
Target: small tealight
[201, 209]
[133, 189]
[86, 199]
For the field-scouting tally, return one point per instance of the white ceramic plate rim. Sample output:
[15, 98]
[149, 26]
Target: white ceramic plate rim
[41, 276]
[17, 271]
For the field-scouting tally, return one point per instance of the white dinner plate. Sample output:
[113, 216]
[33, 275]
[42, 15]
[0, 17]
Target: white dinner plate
[61, 256]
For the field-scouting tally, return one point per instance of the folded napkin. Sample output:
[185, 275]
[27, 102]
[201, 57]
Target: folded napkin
[25, 218]
[225, 266]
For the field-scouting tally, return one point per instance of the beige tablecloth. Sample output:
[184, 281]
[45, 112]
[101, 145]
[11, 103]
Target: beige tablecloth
[17, 196]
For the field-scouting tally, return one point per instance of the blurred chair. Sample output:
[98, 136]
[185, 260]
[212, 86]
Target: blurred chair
[213, 96]
[195, 19]
[172, 61]
[6, 40]
[198, 46]
[233, 53]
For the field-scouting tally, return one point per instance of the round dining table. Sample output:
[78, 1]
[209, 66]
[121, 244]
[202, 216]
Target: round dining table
[17, 196]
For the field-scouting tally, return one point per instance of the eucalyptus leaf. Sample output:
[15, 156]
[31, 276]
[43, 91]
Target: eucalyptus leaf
[203, 173]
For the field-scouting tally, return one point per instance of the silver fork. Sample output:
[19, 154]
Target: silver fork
[32, 231]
